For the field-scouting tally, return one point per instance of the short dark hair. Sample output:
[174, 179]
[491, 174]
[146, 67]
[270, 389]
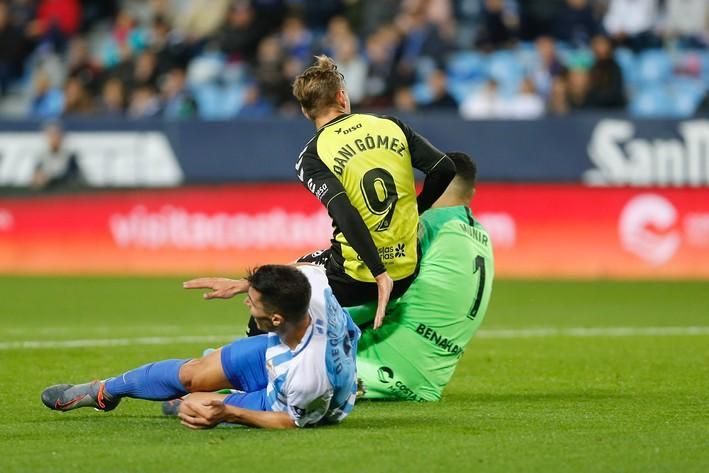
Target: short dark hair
[284, 290]
[465, 167]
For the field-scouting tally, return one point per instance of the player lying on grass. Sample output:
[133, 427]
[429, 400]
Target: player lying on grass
[415, 352]
[301, 373]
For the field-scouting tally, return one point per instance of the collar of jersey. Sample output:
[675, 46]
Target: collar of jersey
[337, 119]
[306, 339]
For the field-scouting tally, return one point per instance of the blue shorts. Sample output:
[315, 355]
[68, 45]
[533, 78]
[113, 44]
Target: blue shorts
[244, 363]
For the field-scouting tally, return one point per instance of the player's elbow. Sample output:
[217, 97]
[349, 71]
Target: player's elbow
[446, 169]
[285, 423]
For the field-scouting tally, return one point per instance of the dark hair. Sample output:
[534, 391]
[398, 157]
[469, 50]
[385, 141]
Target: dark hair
[465, 168]
[284, 290]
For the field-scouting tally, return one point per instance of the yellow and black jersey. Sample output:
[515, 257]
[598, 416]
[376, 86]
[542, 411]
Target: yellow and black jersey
[361, 168]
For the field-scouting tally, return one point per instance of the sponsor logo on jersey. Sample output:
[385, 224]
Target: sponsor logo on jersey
[400, 250]
[385, 374]
[403, 391]
[320, 193]
[389, 253]
[439, 340]
[349, 130]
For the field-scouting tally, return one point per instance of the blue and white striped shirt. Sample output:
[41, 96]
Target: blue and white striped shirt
[316, 382]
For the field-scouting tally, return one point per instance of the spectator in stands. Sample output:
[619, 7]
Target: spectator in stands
[255, 106]
[420, 38]
[319, 12]
[94, 12]
[296, 40]
[57, 165]
[81, 65]
[558, 103]
[241, 33]
[168, 46]
[548, 67]
[687, 21]
[199, 19]
[375, 14]
[381, 48]
[577, 85]
[404, 100]
[352, 66]
[527, 104]
[268, 72]
[537, 17]
[144, 71]
[178, 103]
[499, 27]
[438, 85]
[47, 100]
[56, 22]
[125, 37]
[606, 88]
[575, 23]
[11, 51]
[484, 104]
[631, 23]
[144, 103]
[113, 102]
[77, 99]
[338, 29]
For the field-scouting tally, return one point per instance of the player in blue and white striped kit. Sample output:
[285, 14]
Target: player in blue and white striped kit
[300, 373]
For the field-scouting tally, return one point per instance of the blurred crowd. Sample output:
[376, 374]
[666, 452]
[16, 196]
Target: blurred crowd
[218, 59]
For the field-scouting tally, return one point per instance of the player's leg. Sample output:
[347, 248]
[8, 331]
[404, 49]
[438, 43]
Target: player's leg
[167, 379]
[387, 375]
[243, 363]
[154, 381]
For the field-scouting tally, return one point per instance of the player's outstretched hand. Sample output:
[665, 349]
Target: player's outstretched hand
[385, 284]
[221, 288]
[202, 414]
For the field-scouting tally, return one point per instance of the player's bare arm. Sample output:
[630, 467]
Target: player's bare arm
[221, 288]
[208, 410]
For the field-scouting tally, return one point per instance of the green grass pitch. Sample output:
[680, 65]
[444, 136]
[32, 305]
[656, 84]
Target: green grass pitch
[524, 399]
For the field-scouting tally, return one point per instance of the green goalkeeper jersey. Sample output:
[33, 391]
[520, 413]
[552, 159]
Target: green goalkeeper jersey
[414, 354]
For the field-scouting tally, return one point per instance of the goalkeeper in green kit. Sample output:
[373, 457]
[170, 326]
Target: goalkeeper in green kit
[413, 355]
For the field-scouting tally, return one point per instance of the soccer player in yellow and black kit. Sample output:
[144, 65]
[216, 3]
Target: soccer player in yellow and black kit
[360, 167]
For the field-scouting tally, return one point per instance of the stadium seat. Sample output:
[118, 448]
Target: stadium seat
[651, 102]
[422, 93]
[627, 62]
[687, 93]
[424, 67]
[504, 68]
[205, 68]
[653, 66]
[466, 66]
[219, 103]
[461, 89]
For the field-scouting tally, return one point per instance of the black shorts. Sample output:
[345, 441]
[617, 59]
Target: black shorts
[348, 291]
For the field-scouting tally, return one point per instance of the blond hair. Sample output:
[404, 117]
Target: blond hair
[317, 87]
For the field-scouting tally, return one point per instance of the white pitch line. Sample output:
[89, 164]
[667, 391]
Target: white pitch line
[548, 332]
[113, 342]
[580, 332]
